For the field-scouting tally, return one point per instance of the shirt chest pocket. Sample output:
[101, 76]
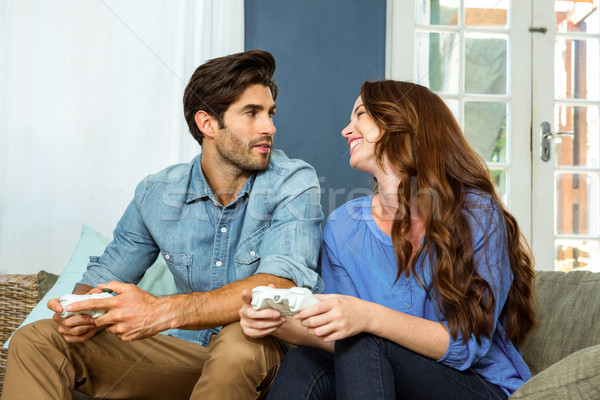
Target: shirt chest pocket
[180, 266]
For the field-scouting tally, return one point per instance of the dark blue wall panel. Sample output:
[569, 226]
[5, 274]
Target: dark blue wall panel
[324, 49]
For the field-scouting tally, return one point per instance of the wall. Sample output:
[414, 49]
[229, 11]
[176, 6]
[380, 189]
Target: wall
[324, 51]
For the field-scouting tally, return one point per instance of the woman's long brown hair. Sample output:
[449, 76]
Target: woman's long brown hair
[423, 141]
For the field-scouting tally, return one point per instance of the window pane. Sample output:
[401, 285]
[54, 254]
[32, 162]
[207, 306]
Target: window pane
[576, 16]
[577, 203]
[576, 69]
[485, 64]
[453, 105]
[438, 61]
[577, 254]
[486, 12]
[499, 179]
[485, 129]
[437, 12]
[581, 146]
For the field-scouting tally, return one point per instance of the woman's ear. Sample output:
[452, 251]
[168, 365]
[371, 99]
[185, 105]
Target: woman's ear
[206, 123]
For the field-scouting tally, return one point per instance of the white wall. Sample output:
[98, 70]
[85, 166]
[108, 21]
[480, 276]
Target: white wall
[90, 103]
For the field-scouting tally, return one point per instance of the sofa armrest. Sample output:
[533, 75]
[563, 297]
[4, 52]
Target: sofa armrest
[568, 314]
[18, 296]
[574, 377]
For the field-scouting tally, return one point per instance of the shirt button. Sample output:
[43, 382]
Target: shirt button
[218, 263]
[252, 253]
[223, 229]
[408, 306]
[167, 257]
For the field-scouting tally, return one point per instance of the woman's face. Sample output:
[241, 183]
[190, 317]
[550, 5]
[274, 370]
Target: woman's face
[361, 133]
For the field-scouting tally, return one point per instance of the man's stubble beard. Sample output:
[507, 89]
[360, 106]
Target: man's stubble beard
[241, 155]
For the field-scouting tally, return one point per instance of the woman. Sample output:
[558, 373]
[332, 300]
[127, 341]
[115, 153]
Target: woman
[434, 285]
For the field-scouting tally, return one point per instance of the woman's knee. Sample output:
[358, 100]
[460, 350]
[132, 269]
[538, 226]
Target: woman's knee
[305, 373]
[364, 348]
[361, 343]
[307, 359]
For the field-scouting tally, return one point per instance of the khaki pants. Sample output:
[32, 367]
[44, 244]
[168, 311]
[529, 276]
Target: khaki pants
[41, 365]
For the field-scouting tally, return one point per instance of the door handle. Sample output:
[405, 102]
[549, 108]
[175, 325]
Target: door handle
[546, 137]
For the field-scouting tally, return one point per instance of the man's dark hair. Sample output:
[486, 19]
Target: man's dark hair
[218, 83]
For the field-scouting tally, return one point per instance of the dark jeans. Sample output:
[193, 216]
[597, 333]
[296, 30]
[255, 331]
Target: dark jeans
[369, 367]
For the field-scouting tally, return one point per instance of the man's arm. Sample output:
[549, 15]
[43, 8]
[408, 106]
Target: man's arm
[221, 306]
[290, 246]
[136, 314]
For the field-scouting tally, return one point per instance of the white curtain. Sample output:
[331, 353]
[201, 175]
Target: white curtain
[90, 103]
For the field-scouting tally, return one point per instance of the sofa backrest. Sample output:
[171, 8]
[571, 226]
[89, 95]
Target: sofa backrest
[568, 311]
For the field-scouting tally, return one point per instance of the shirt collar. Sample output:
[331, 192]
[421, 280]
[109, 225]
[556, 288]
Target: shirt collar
[198, 187]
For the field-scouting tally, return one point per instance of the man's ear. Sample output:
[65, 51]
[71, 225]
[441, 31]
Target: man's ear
[206, 123]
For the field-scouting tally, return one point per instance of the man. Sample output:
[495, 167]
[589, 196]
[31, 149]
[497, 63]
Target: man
[240, 215]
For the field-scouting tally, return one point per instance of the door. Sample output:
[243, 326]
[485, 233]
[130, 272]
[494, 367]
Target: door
[494, 63]
[565, 108]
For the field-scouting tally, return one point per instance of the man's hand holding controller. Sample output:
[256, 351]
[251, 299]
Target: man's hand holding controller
[77, 326]
[132, 315]
[68, 299]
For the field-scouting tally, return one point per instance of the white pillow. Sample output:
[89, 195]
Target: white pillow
[158, 280]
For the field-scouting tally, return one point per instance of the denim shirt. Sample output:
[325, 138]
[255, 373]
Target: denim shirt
[272, 227]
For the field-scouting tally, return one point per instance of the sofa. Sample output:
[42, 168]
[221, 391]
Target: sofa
[563, 352]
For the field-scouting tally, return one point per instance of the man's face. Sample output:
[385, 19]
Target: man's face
[247, 138]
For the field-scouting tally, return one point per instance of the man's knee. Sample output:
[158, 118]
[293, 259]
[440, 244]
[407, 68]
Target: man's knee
[34, 334]
[245, 359]
[240, 363]
[232, 346]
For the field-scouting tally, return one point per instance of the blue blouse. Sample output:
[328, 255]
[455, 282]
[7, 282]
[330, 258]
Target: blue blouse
[359, 260]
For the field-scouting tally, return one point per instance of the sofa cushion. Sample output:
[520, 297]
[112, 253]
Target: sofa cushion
[575, 377]
[45, 282]
[568, 310]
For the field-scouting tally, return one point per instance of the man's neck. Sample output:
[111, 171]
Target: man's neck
[225, 183]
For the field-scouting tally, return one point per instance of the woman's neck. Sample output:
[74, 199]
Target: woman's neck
[387, 197]
[385, 205]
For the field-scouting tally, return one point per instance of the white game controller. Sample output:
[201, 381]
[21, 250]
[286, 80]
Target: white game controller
[286, 301]
[74, 298]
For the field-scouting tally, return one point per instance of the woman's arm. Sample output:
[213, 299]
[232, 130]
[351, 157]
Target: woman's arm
[337, 317]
